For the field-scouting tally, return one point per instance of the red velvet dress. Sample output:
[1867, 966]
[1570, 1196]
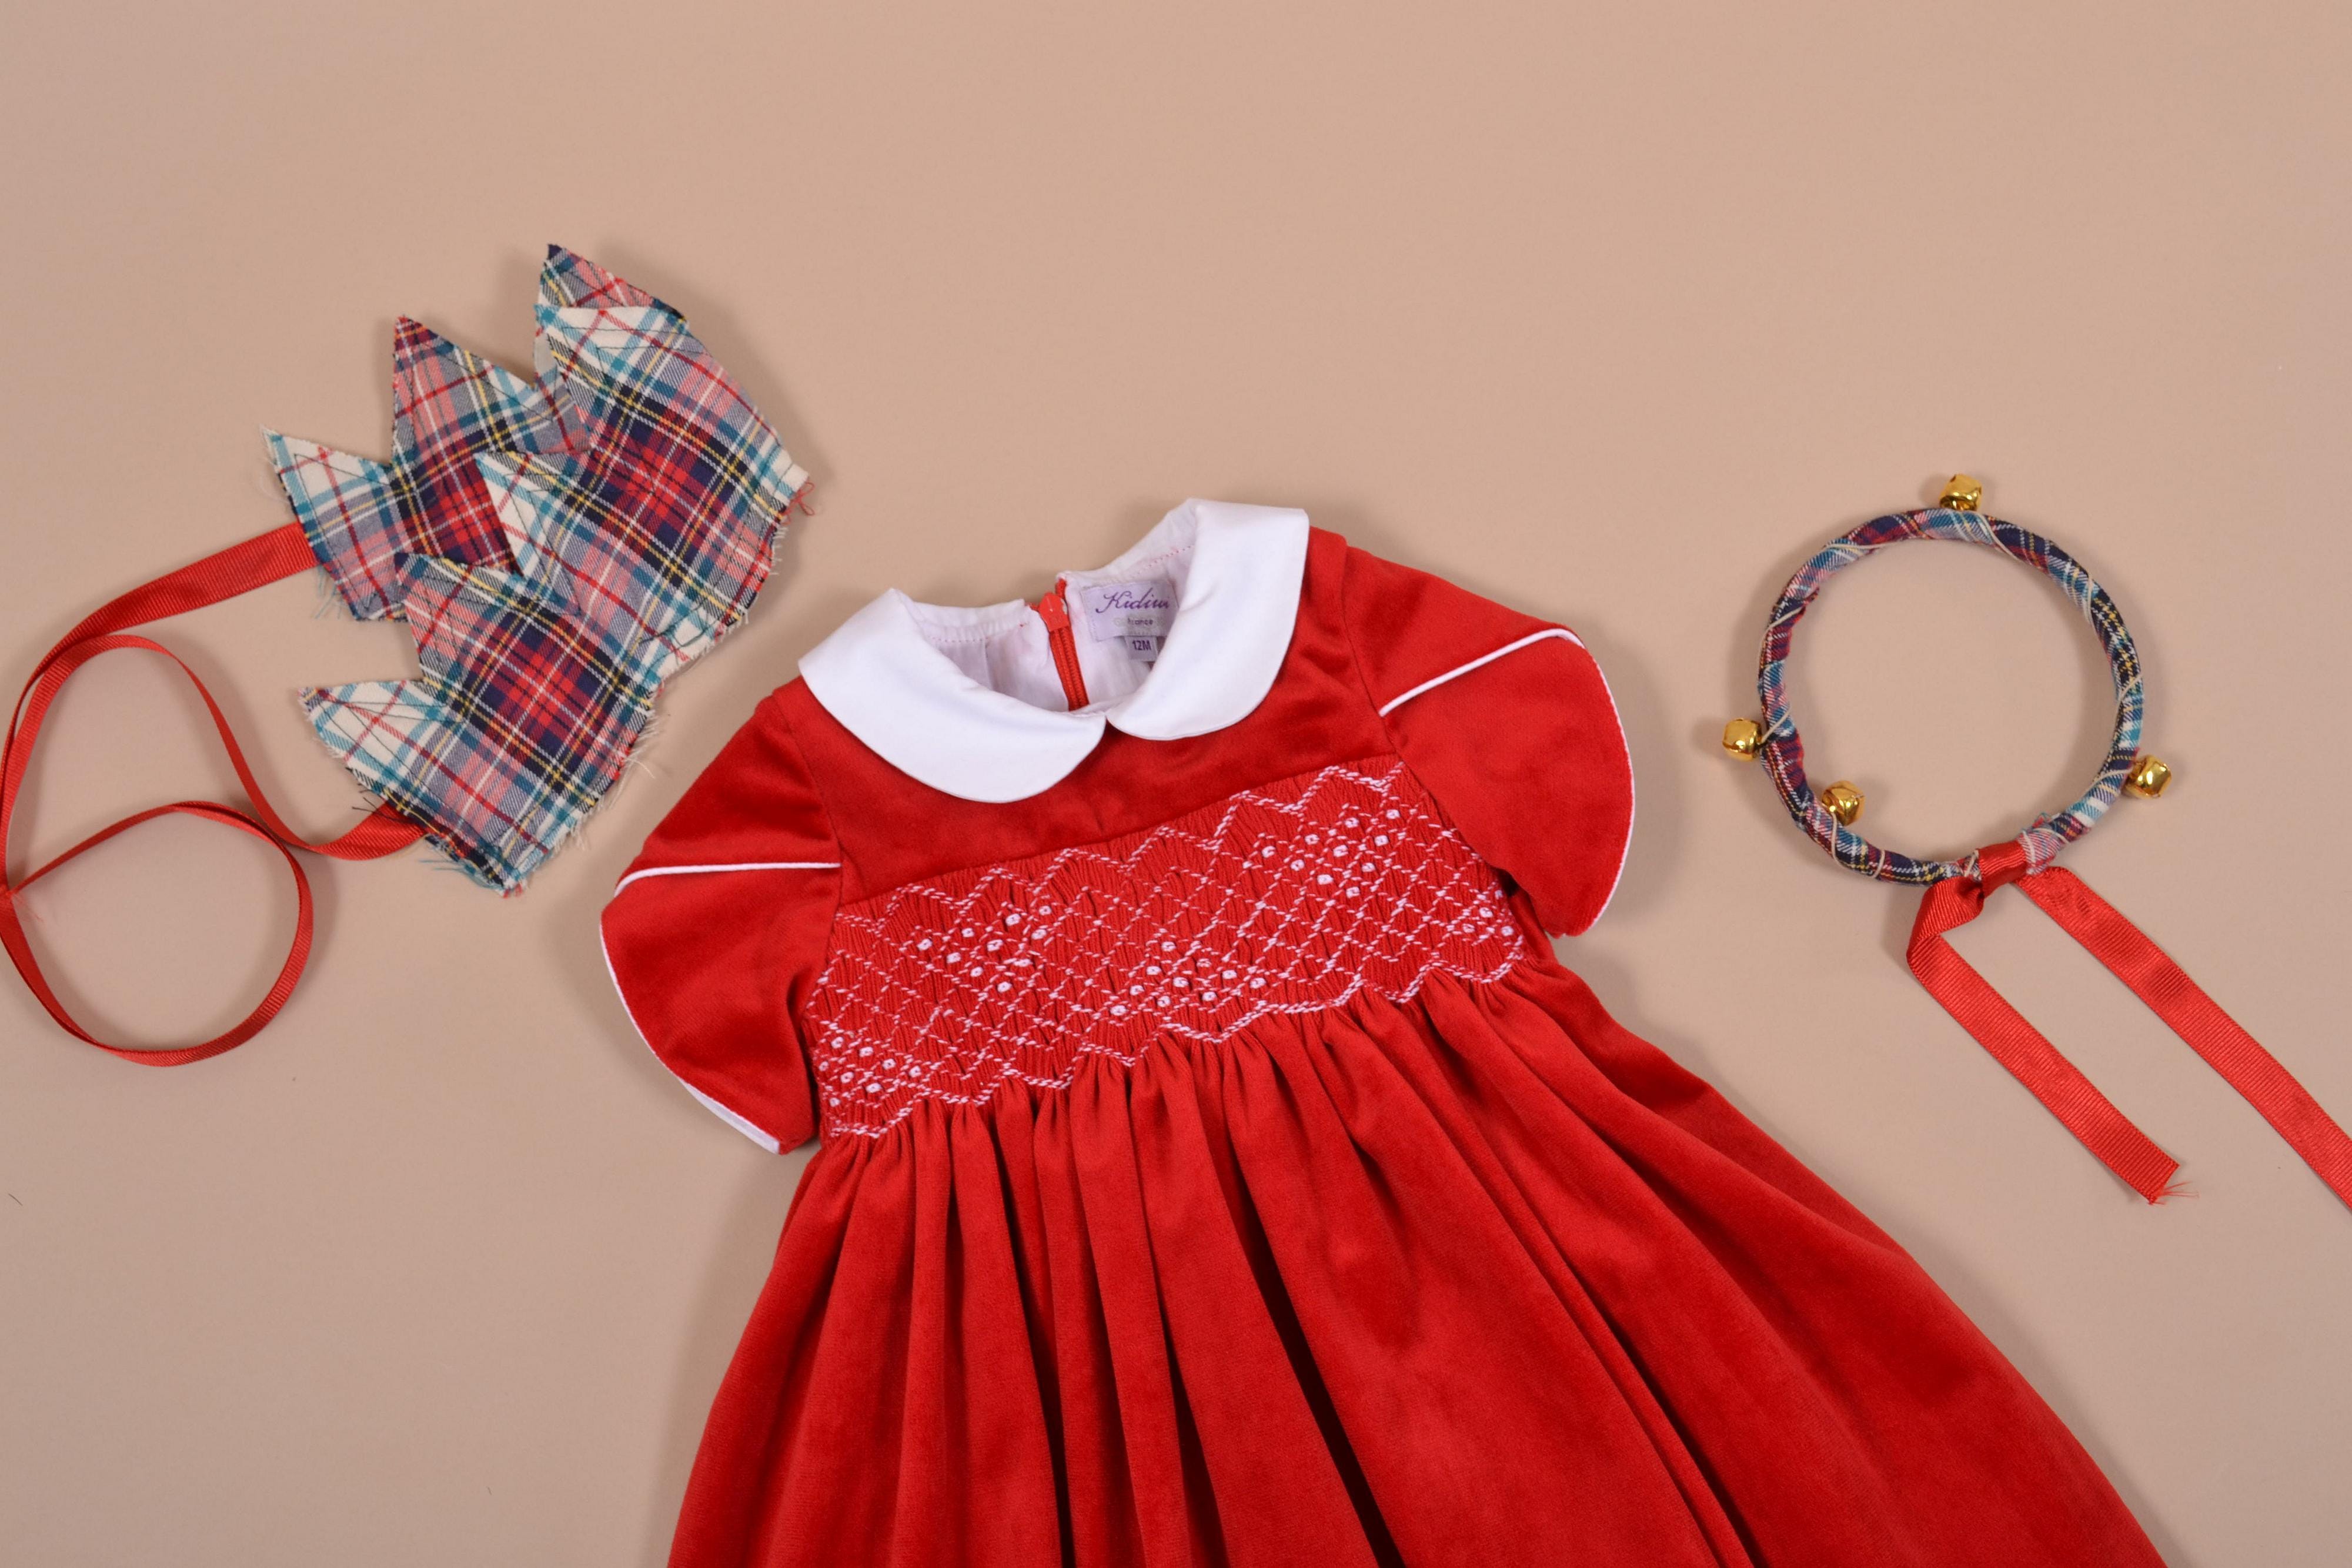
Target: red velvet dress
[1220, 1168]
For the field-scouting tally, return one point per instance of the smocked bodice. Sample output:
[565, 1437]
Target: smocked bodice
[1287, 898]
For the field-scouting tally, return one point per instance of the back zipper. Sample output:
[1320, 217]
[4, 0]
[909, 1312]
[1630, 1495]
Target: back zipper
[1053, 610]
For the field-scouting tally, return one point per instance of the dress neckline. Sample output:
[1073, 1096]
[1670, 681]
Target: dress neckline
[900, 673]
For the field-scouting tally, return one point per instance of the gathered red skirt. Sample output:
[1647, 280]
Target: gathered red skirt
[1479, 1277]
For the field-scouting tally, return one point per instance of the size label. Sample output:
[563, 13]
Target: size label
[1136, 615]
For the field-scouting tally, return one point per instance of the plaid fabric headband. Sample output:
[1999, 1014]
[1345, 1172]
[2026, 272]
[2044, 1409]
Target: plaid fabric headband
[558, 545]
[1958, 888]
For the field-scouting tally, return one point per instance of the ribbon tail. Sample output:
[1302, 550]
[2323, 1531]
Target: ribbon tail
[280, 553]
[2192, 1015]
[2016, 1045]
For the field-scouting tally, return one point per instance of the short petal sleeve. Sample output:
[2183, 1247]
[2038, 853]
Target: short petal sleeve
[718, 928]
[1508, 722]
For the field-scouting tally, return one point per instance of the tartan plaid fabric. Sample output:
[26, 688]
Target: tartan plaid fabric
[447, 406]
[1784, 749]
[559, 548]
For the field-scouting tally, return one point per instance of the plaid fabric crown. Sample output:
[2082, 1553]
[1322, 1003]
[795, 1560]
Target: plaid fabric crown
[558, 547]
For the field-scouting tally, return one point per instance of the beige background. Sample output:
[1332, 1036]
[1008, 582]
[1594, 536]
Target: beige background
[1613, 318]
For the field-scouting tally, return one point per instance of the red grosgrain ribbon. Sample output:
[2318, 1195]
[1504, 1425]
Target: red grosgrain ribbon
[2154, 978]
[282, 552]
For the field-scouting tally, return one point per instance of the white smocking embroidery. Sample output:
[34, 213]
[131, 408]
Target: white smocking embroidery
[1289, 898]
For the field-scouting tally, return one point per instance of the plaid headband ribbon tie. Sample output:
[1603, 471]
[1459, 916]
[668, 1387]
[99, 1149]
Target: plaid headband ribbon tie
[559, 546]
[1957, 889]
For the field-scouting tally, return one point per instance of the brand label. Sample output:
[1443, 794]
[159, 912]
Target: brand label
[1136, 615]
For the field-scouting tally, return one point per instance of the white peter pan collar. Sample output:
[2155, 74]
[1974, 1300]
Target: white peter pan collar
[889, 684]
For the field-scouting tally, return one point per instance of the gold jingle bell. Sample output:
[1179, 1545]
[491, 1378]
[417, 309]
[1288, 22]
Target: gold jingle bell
[1744, 738]
[2148, 777]
[1843, 802]
[1962, 494]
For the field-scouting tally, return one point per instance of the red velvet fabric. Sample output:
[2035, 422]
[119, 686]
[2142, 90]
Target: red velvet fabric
[719, 924]
[1466, 1276]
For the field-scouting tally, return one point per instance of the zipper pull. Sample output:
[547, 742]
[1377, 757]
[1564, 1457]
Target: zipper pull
[1055, 611]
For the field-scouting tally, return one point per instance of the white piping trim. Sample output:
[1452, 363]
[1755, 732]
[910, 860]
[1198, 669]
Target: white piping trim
[739, 865]
[732, 1120]
[1459, 670]
[741, 1123]
[1632, 798]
